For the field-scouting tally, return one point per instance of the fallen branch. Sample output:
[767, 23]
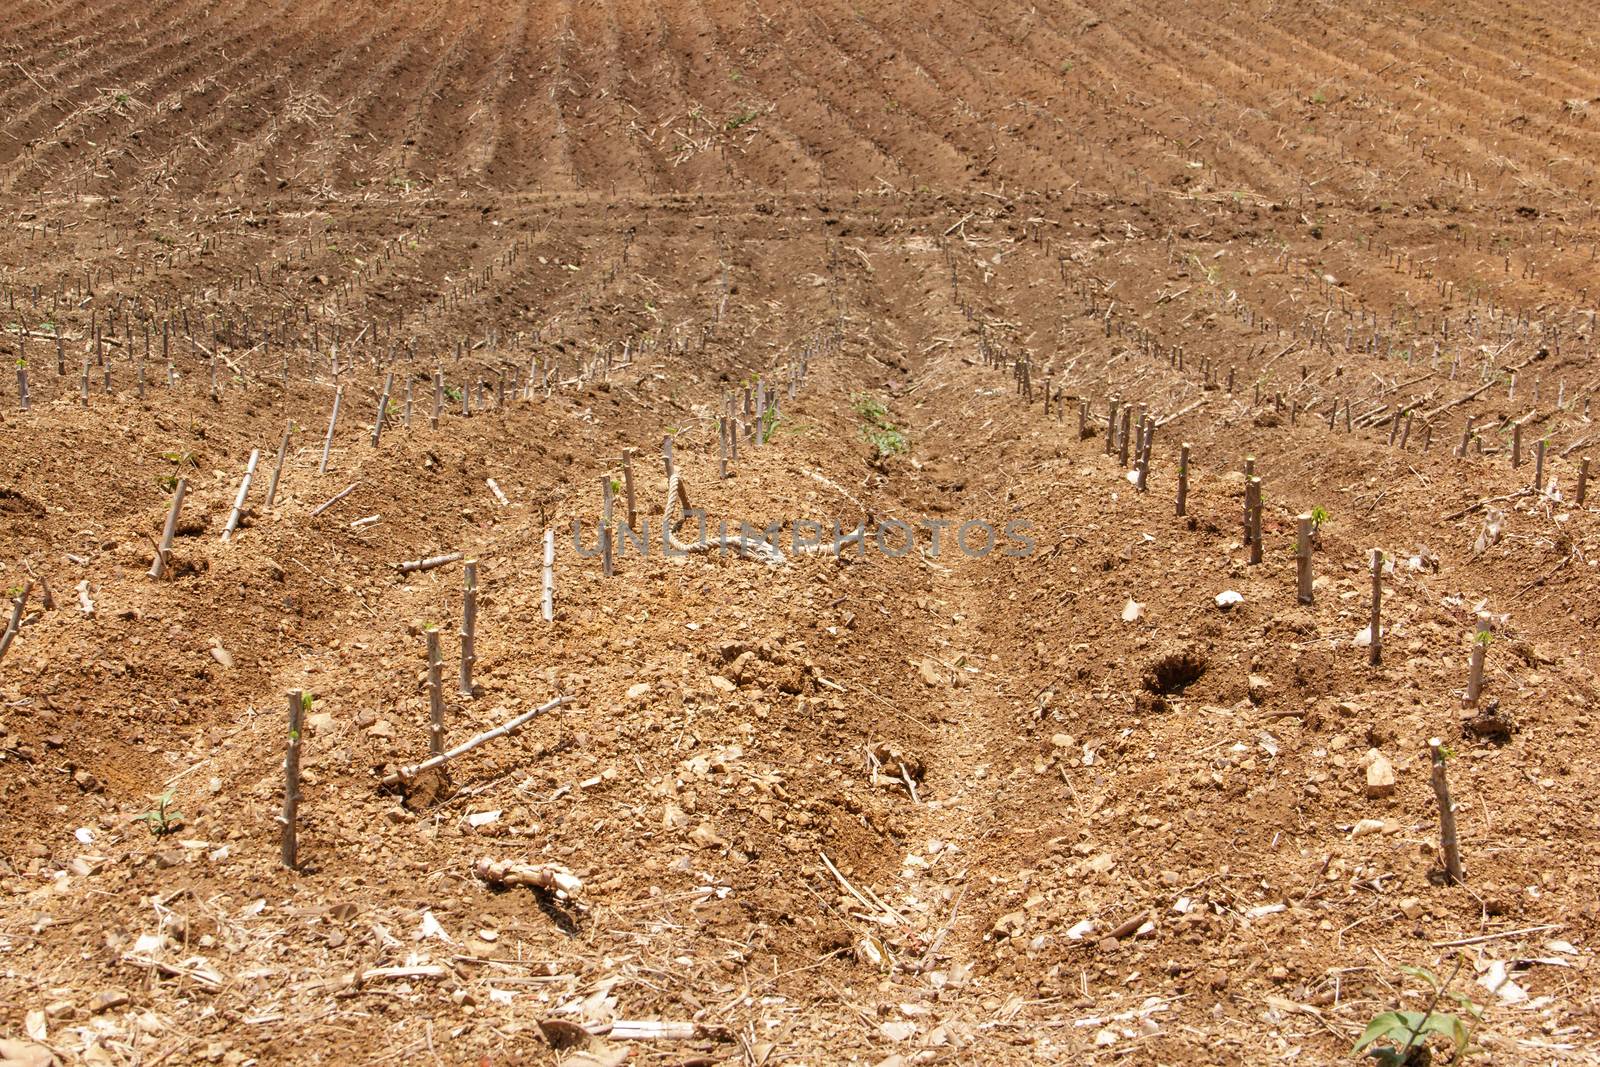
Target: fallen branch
[405, 774]
[412, 565]
[1500, 936]
[556, 879]
[428, 971]
[651, 1030]
[331, 501]
[1470, 508]
[1545, 577]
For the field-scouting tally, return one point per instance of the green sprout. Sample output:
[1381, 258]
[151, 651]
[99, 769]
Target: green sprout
[887, 441]
[161, 819]
[1319, 518]
[1405, 1031]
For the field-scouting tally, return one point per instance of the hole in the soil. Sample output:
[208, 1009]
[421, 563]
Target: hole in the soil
[1174, 673]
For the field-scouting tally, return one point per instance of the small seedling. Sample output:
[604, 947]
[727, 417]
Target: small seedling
[1408, 1031]
[162, 820]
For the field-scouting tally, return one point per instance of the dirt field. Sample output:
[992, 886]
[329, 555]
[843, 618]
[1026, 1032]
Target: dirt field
[927, 263]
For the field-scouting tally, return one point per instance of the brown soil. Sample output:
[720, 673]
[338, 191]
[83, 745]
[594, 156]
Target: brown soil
[930, 808]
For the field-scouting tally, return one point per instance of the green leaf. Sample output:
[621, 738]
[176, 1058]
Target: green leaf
[1385, 1025]
[1448, 1026]
[1420, 972]
[1470, 1006]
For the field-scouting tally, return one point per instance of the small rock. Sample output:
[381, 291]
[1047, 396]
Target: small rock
[107, 999]
[898, 1031]
[704, 836]
[638, 690]
[1380, 778]
[1228, 598]
[320, 722]
[1132, 611]
[1364, 827]
[1411, 908]
[381, 728]
[930, 672]
[365, 719]
[720, 683]
[1009, 925]
[1259, 688]
[25, 1054]
[222, 656]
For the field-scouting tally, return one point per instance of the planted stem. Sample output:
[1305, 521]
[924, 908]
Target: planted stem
[1449, 842]
[291, 779]
[333, 420]
[627, 488]
[1255, 520]
[238, 501]
[1480, 646]
[383, 409]
[277, 468]
[1183, 479]
[1303, 558]
[435, 695]
[164, 549]
[469, 624]
[14, 623]
[1375, 623]
[548, 598]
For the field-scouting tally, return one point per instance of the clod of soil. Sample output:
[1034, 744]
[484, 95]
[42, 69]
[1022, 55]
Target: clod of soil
[1174, 672]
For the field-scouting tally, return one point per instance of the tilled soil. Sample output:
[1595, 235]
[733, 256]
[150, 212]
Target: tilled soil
[1105, 790]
